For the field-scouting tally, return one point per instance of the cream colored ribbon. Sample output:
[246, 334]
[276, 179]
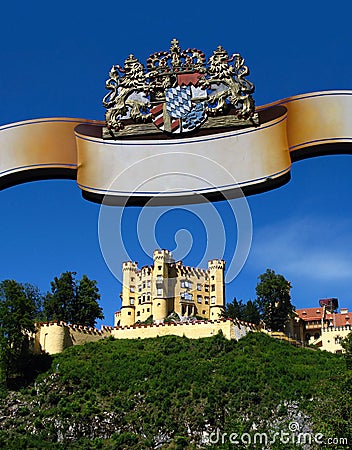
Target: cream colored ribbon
[179, 170]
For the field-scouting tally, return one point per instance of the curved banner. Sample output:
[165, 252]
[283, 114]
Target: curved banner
[211, 164]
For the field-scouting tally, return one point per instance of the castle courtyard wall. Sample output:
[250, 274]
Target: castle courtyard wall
[191, 330]
[54, 337]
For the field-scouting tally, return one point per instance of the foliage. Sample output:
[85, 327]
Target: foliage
[73, 301]
[137, 393]
[347, 345]
[274, 300]
[248, 312]
[18, 308]
[148, 321]
[173, 317]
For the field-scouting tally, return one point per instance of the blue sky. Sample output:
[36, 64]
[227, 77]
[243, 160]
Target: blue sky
[55, 59]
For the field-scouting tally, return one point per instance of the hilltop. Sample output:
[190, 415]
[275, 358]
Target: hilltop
[172, 392]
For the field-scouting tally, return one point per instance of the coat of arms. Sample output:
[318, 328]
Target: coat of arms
[178, 92]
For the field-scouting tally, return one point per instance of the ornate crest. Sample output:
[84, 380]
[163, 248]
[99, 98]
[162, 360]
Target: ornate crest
[178, 92]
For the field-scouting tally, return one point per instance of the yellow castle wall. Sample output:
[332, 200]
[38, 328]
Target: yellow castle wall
[331, 338]
[55, 337]
[157, 290]
[192, 330]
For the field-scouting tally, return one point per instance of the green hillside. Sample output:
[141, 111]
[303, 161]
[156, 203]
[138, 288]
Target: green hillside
[172, 393]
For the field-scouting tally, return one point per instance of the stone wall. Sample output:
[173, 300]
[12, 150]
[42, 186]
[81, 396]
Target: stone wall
[54, 337]
[193, 330]
[331, 338]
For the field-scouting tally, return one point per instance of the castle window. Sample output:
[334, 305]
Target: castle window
[132, 278]
[199, 287]
[144, 285]
[203, 312]
[212, 287]
[148, 296]
[132, 289]
[206, 288]
[337, 340]
[139, 288]
[159, 278]
[143, 298]
[138, 313]
[148, 284]
[158, 304]
[186, 296]
[213, 277]
[131, 301]
[159, 292]
[148, 309]
[213, 300]
[139, 300]
[199, 299]
[160, 267]
[129, 313]
[206, 300]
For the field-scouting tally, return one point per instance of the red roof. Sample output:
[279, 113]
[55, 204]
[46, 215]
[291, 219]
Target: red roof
[334, 319]
[308, 314]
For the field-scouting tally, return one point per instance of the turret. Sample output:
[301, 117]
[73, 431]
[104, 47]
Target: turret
[160, 282]
[129, 270]
[216, 270]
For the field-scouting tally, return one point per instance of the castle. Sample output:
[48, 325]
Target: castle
[168, 298]
[322, 326]
[193, 296]
[170, 287]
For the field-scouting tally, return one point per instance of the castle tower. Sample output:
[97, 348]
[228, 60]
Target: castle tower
[216, 268]
[160, 283]
[129, 270]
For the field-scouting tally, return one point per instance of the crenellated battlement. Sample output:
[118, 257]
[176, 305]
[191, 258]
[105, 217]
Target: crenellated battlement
[130, 266]
[170, 286]
[54, 337]
[195, 329]
[337, 328]
[216, 264]
[188, 323]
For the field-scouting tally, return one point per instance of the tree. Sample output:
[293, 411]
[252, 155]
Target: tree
[233, 310]
[274, 300]
[347, 345]
[251, 312]
[86, 308]
[59, 303]
[19, 305]
[73, 301]
[248, 312]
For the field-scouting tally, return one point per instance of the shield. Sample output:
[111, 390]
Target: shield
[183, 110]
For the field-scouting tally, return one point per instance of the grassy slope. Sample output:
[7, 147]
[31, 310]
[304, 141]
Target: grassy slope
[136, 394]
